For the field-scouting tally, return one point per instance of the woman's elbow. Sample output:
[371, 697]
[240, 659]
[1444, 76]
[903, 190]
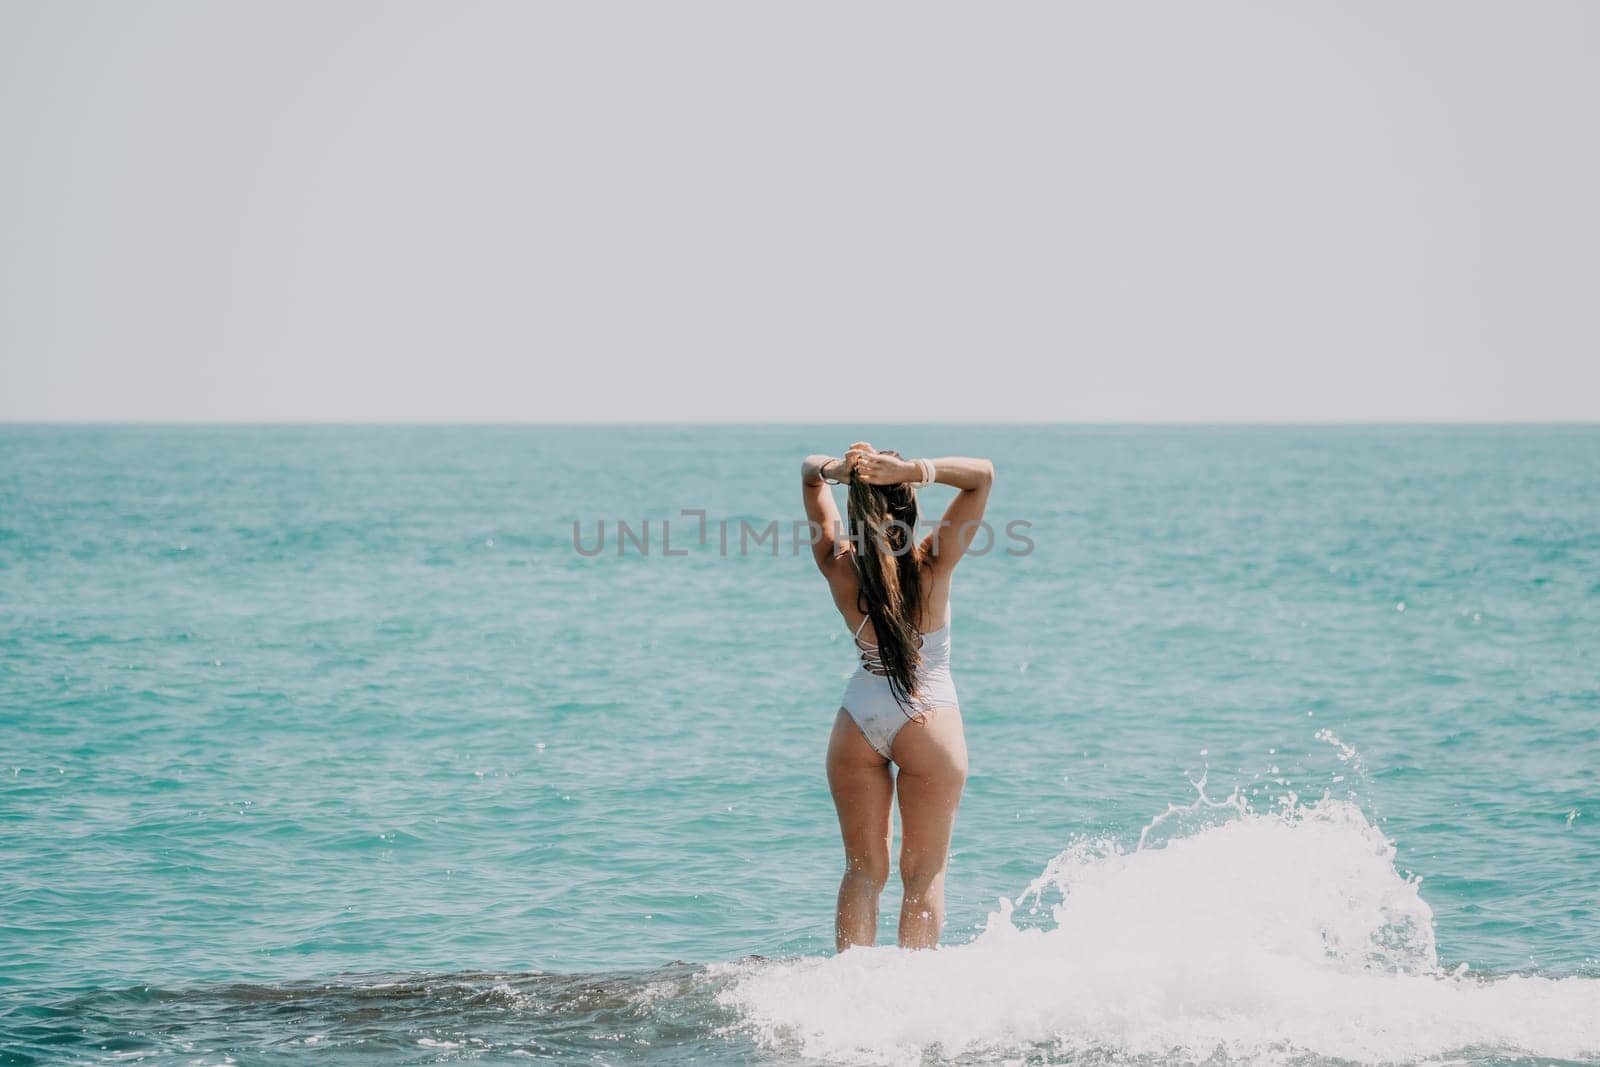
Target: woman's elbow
[986, 472]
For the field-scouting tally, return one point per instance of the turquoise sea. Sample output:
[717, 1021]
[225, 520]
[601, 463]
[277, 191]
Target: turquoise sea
[328, 743]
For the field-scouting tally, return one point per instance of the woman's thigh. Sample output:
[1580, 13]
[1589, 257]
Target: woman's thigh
[863, 793]
[932, 758]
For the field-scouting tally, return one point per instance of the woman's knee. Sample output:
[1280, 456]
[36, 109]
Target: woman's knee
[921, 880]
[870, 869]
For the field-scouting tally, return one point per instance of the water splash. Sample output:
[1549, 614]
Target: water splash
[1257, 936]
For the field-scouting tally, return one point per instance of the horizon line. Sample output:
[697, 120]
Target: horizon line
[758, 423]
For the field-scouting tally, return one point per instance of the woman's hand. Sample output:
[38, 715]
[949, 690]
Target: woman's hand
[839, 469]
[880, 468]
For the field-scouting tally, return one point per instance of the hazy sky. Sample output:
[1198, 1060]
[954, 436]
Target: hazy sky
[814, 211]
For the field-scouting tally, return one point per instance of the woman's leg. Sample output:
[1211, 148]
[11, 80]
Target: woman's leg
[932, 757]
[863, 793]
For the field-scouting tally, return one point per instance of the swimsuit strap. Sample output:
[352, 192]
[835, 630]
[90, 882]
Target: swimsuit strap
[871, 658]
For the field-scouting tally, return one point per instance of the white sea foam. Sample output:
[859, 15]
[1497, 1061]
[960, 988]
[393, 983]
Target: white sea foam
[1262, 936]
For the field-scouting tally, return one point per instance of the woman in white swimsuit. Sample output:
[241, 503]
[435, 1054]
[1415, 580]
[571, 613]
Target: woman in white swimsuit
[900, 706]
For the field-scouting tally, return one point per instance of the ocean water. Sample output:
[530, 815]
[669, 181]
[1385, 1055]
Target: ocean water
[334, 743]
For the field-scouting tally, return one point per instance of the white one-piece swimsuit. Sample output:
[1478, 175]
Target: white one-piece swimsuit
[871, 703]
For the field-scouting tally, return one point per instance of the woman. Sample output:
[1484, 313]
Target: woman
[900, 705]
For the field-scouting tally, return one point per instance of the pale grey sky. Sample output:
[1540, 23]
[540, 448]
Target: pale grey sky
[814, 211]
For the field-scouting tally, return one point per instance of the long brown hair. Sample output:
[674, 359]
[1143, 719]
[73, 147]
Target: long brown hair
[883, 524]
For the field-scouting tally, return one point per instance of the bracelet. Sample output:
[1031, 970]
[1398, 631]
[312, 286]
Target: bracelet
[925, 473]
[821, 473]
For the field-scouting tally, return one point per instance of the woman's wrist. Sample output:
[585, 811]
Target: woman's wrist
[819, 468]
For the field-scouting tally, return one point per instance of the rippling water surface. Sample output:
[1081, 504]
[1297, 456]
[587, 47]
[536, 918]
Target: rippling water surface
[328, 742]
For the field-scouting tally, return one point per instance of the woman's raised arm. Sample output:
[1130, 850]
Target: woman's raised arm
[821, 510]
[963, 519]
